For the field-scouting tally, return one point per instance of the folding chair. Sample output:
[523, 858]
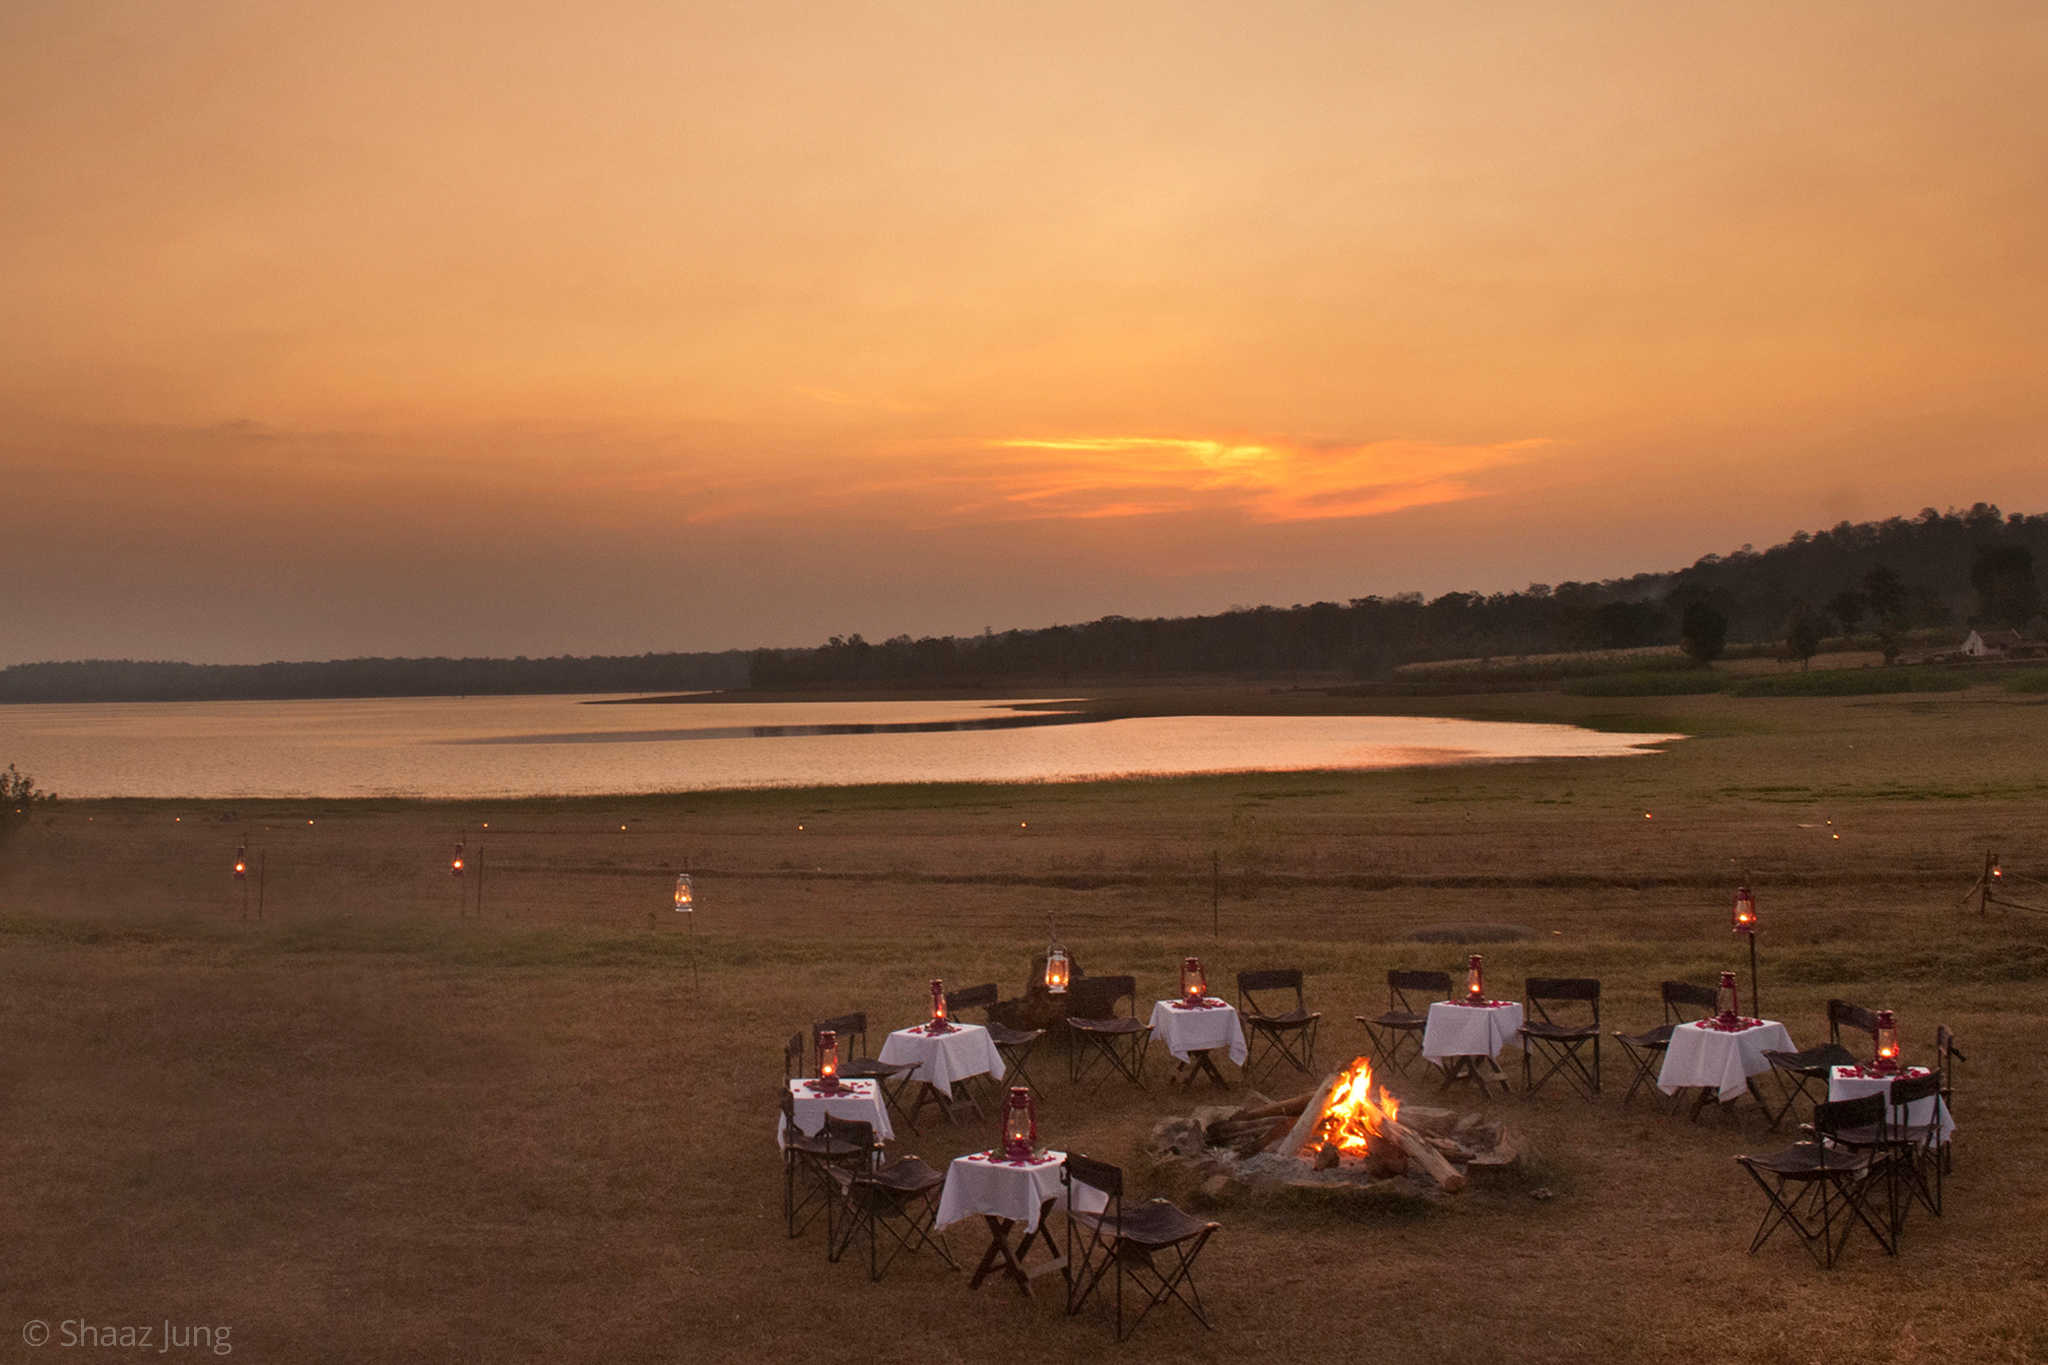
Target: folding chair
[1946, 1055]
[900, 1197]
[1645, 1051]
[1101, 1034]
[1132, 1243]
[1012, 1045]
[793, 1057]
[890, 1078]
[1911, 1151]
[807, 1162]
[1803, 1075]
[1286, 1036]
[1820, 1189]
[1561, 1035]
[1403, 1024]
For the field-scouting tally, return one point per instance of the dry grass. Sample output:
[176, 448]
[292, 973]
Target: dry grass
[367, 1129]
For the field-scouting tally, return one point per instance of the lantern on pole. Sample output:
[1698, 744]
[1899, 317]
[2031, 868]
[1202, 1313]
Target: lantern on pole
[1059, 968]
[1475, 980]
[1746, 924]
[1728, 1002]
[1020, 1124]
[242, 863]
[828, 1060]
[686, 895]
[455, 863]
[1887, 1044]
[1194, 985]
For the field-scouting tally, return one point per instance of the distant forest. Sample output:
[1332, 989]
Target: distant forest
[1884, 579]
[137, 680]
[1877, 581]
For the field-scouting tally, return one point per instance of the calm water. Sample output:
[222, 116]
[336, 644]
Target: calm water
[539, 746]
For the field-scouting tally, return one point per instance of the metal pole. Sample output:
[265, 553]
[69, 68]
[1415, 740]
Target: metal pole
[694, 984]
[1215, 894]
[1984, 883]
[479, 881]
[1755, 1002]
[262, 860]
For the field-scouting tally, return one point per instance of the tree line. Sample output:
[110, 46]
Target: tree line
[1939, 569]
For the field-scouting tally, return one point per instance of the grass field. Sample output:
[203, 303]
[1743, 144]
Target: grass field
[375, 1126]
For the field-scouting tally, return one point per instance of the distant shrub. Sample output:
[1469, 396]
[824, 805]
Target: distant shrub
[1667, 683]
[1853, 682]
[2032, 680]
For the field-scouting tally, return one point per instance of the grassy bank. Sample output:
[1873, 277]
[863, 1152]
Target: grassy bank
[377, 1124]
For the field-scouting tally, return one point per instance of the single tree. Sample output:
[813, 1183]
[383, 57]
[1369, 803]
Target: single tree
[1802, 634]
[1703, 632]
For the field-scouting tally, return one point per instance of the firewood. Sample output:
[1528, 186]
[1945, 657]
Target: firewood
[1289, 1108]
[1447, 1177]
[1295, 1138]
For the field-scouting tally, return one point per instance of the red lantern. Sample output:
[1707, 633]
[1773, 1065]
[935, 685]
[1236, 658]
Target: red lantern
[1194, 986]
[828, 1060]
[1887, 1044]
[1475, 981]
[455, 865]
[939, 1024]
[1745, 911]
[1729, 1002]
[1020, 1124]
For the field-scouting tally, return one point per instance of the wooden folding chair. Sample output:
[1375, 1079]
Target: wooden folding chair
[1102, 1037]
[1396, 1035]
[1821, 1188]
[1803, 1075]
[1154, 1245]
[1560, 1034]
[1645, 1051]
[808, 1160]
[1276, 1036]
[899, 1197]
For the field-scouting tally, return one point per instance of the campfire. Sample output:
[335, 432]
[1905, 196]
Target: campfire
[1349, 1131]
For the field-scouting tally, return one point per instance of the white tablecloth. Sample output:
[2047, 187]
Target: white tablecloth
[855, 1100]
[1718, 1060]
[1184, 1030]
[1842, 1087]
[966, 1051]
[1456, 1030]
[976, 1184]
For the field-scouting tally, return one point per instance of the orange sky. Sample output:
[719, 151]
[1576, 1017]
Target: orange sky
[430, 327]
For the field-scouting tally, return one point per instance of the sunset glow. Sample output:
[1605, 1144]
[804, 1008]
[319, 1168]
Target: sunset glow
[440, 328]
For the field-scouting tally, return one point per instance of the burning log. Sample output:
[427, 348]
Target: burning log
[1277, 1109]
[1448, 1178]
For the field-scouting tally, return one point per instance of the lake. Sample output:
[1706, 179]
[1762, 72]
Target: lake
[482, 747]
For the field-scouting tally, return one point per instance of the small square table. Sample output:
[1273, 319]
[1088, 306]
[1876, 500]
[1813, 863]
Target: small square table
[1719, 1062]
[1192, 1032]
[853, 1100]
[1463, 1040]
[942, 1060]
[1852, 1082]
[1006, 1193]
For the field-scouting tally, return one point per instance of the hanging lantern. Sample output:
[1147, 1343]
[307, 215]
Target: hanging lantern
[686, 896]
[1745, 911]
[455, 863]
[1475, 981]
[828, 1060]
[1727, 999]
[1887, 1044]
[242, 863]
[1059, 968]
[1194, 986]
[1020, 1124]
[939, 1024]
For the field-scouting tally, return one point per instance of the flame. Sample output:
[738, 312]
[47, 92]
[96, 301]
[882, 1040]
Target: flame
[1353, 1113]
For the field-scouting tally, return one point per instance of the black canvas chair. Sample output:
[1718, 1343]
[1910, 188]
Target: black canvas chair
[1103, 1038]
[808, 1160]
[1154, 1245]
[1821, 1188]
[899, 1197]
[1911, 1151]
[1560, 1015]
[1645, 1051]
[1803, 1075]
[890, 1078]
[793, 1057]
[1276, 1036]
[1012, 1045]
[1396, 1035]
[1946, 1055]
